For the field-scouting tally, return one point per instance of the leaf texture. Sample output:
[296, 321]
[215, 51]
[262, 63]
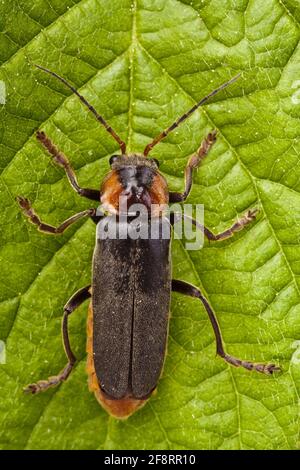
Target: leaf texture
[142, 63]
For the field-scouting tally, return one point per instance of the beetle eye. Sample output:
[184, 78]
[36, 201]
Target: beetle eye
[156, 162]
[113, 159]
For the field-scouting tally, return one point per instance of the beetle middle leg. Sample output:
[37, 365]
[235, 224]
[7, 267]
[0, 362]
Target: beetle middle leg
[61, 160]
[75, 301]
[192, 291]
[29, 212]
[193, 163]
[236, 227]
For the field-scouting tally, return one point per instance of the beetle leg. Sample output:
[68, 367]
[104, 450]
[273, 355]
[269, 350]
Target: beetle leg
[75, 301]
[236, 227]
[61, 160]
[25, 205]
[188, 289]
[193, 163]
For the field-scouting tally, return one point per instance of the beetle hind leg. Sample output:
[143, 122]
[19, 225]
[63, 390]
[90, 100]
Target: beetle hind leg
[75, 301]
[43, 385]
[187, 289]
[267, 369]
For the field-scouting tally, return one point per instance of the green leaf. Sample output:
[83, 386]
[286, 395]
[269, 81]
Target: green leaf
[142, 63]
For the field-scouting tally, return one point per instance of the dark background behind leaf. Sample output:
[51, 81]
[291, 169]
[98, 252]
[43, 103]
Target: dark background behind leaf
[142, 63]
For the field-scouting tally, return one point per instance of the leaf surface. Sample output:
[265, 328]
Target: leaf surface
[142, 63]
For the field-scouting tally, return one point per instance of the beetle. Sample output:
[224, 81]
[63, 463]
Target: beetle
[131, 285]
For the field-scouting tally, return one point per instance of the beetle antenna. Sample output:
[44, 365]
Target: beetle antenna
[89, 106]
[182, 118]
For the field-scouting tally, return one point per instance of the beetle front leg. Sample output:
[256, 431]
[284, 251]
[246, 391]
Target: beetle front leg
[61, 160]
[188, 289]
[28, 211]
[193, 163]
[75, 301]
[236, 227]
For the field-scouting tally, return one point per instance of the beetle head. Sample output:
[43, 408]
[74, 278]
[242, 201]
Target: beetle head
[133, 179]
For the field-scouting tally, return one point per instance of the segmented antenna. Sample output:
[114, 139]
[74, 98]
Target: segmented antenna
[89, 106]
